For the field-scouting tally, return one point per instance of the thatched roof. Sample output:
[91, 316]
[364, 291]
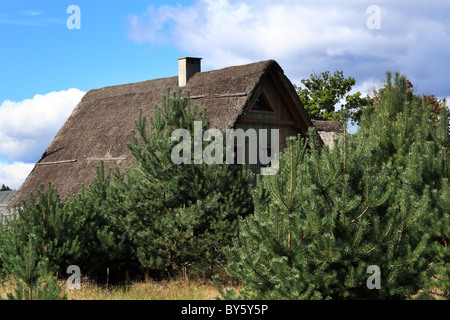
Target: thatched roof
[100, 125]
[328, 131]
[327, 126]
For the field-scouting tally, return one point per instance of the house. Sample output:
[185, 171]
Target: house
[328, 131]
[5, 198]
[256, 95]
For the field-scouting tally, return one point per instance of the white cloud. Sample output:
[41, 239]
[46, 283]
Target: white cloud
[27, 127]
[13, 175]
[309, 36]
[32, 13]
[29, 18]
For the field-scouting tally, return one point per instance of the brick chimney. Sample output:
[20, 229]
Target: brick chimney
[187, 67]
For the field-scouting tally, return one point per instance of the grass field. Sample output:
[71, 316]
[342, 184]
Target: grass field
[151, 290]
[168, 290]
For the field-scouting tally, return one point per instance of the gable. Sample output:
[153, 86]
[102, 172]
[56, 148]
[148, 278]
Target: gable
[279, 112]
[285, 113]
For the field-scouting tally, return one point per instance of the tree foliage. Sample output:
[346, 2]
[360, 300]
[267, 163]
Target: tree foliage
[5, 188]
[412, 131]
[53, 227]
[31, 272]
[379, 197]
[321, 94]
[177, 216]
[157, 217]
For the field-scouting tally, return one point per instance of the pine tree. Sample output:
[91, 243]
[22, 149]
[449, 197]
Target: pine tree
[407, 131]
[33, 280]
[177, 216]
[100, 235]
[327, 216]
[5, 188]
[54, 229]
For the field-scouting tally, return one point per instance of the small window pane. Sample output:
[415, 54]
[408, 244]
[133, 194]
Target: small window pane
[261, 105]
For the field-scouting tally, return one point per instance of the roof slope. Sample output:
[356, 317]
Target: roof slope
[100, 125]
[328, 131]
[5, 197]
[327, 126]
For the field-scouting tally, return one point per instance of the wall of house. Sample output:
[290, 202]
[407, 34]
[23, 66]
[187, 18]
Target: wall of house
[6, 215]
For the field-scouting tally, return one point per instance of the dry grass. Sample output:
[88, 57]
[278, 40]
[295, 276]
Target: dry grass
[151, 290]
[170, 290]
[5, 287]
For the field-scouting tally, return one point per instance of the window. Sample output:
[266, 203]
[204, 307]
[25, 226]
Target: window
[261, 104]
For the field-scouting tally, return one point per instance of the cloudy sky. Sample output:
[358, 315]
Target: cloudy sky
[46, 67]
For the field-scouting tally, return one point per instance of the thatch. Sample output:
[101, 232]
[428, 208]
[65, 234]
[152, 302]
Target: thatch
[327, 126]
[100, 126]
[328, 131]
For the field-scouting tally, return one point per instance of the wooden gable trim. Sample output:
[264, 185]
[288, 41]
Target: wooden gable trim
[292, 103]
[252, 99]
[289, 98]
[281, 93]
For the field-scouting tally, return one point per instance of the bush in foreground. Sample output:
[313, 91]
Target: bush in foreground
[379, 198]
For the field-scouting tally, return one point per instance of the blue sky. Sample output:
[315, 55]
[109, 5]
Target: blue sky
[40, 54]
[45, 68]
